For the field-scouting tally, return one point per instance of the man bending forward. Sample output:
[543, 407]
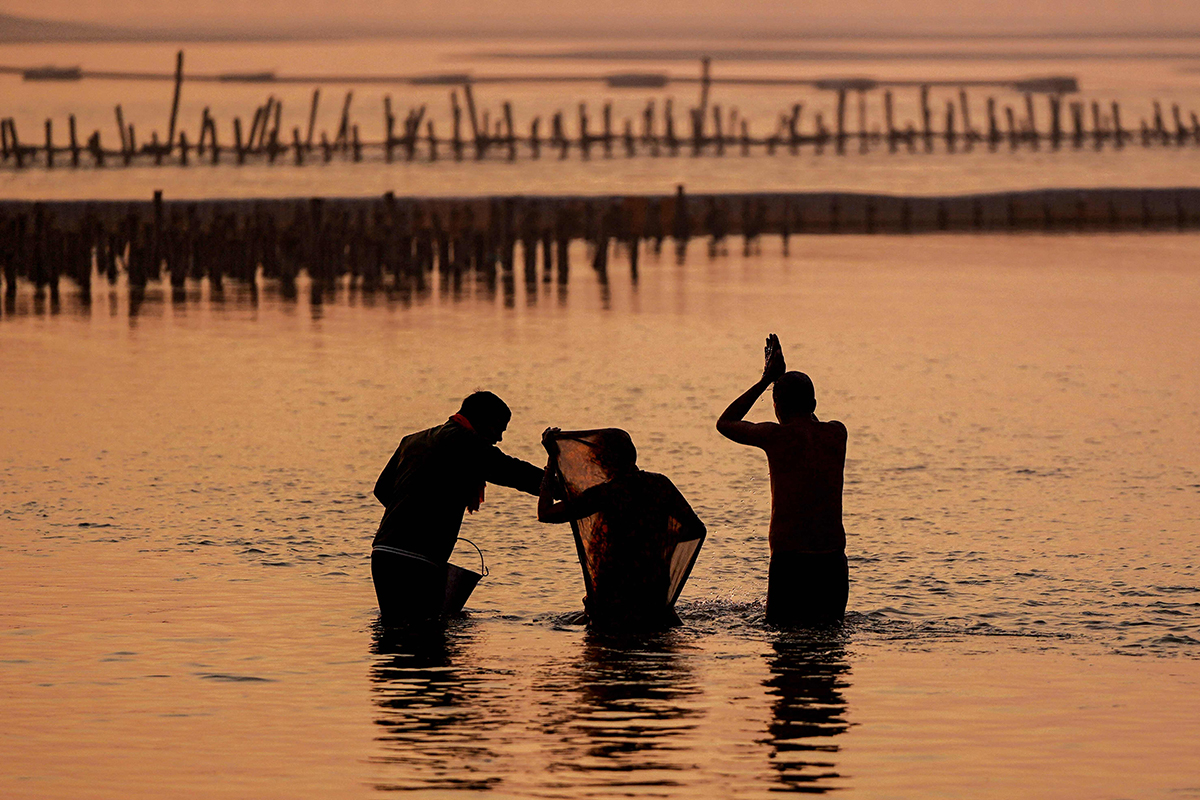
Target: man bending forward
[809, 577]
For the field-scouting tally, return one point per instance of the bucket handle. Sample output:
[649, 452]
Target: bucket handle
[482, 566]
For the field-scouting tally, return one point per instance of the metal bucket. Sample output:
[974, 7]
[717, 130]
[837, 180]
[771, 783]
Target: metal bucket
[461, 582]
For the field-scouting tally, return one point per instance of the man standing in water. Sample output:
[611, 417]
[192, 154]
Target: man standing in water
[434, 476]
[809, 577]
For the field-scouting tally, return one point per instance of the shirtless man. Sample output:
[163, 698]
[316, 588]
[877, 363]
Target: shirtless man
[809, 576]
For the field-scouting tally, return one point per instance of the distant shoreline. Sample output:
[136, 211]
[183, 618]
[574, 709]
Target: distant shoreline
[28, 30]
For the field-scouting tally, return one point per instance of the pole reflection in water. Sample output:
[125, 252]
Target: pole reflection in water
[431, 711]
[809, 671]
[624, 712]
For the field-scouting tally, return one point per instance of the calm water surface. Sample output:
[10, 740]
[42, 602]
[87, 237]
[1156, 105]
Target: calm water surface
[185, 508]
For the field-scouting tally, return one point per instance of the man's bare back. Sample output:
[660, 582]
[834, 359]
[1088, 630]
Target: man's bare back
[807, 459]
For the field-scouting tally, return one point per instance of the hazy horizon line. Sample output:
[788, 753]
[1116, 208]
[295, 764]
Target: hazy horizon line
[16, 29]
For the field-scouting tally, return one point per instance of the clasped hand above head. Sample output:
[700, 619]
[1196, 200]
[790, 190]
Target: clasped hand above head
[773, 363]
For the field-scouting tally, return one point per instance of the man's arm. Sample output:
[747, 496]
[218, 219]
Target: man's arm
[582, 506]
[692, 526]
[731, 424]
[386, 482]
[504, 470]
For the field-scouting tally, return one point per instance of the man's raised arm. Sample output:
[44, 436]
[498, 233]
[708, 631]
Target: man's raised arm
[731, 424]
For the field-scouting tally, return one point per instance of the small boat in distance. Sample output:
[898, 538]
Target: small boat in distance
[50, 73]
[246, 77]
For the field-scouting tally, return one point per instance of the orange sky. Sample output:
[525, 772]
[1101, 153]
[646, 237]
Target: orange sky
[687, 16]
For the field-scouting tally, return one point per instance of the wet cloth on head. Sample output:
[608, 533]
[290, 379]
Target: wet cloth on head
[641, 539]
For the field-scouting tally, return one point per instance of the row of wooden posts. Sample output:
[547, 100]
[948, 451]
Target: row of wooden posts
[390, 241]
[712, 129]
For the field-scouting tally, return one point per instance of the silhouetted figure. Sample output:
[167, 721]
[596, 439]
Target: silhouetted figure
[637, 536]
[809, 577]
[433, 477]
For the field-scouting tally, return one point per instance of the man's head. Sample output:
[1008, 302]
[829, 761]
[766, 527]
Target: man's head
[794, 396]
[488, 415]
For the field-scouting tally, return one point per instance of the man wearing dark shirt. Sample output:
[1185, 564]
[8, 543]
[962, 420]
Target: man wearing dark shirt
[809, 578]
[433, 477]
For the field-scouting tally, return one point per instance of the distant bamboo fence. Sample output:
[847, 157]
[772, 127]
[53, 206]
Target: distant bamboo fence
[707, 128]
[391, 242]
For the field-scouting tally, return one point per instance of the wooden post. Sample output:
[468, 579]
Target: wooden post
[950, 134]
[1118, 131]
[585, 140]
[456, 132]
[214, 145]
[705, 84]
[418, 115]
[343, 134]
[74, 141]
[1032, 131]
[558, 135]
[121, 130]
[889, 120]
[745, 138]
[968, 131]
[718, 131]
[793, 124]
[1077, 124]
[97, 148]
[535, 142]
[629, 140]
[608, 135]
[49, 144]
[926, 116]
[203, 135]
[1180, 131]
[175, 100]
[648, 123]
[1097, 124]
[237, 140]
[273, 144]
[511, 138]
[432, 138]
[155, 148]
[183, 148]
[1012, 126]
[312, 120]
[862, 121]
[356, 144]
[389, 123]
[474, 120]
[1055, 120]
[993, 128]
[298, 145]
[326, 148]
[841, 121]
[260, 137]
[669, 122]
[1160, 130]
[4, 138]
[15, 143]
[252, 137]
